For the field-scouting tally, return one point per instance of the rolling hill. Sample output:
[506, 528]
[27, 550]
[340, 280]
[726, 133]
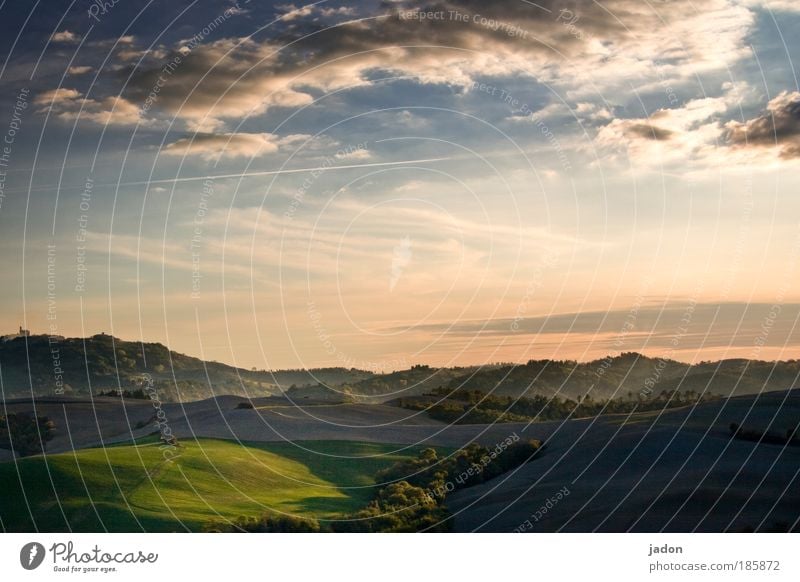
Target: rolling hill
[626, 376]
[131, 487]
[674, 470]
[103, 363]
[630, 375]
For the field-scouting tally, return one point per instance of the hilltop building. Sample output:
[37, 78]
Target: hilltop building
[22, 333]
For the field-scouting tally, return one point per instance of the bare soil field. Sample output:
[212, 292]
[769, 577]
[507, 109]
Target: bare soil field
[678, 472]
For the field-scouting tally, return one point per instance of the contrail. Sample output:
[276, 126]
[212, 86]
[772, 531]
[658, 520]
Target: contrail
[277, 172]
[241, 175]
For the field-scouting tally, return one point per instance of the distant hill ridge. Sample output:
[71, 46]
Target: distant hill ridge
[82, 366]
[100, 363]
[628, 375]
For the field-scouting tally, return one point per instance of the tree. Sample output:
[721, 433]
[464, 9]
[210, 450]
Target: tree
[276, 524]
[25, 433]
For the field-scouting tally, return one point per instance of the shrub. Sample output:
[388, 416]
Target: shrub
[397, 508]
[25, 433]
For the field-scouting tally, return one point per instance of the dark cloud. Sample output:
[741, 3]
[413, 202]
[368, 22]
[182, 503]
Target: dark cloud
[653, 326]
[778, 126]
[647, 131]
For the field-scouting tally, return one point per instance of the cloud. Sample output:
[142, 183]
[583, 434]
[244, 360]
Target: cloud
[292, 12]
[79, 70]
[593, 112]
[692, 133]
[605, 48]
[66, 37]
[358, 154]
[69, 104]
[731, 325]
[107, 111]
[228, 78]
[131, 54]
[647, 131]
[107, 43]
[695, 136]
[233, 78]
[340, 11]
[778, 126]
[57, 96]
[211, 146]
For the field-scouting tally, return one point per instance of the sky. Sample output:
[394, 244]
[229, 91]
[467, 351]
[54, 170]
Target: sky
[381, 184]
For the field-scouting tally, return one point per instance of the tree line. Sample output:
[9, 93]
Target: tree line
[477, 407]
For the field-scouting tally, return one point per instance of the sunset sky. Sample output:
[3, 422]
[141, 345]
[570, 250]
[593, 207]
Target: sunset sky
[378, 184]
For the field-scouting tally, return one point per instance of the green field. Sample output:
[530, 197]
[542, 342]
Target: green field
[132, 487]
